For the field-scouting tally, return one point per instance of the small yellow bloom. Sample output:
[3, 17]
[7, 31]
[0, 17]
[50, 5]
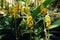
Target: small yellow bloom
[43, 10]
[22, 9]
[27, 8]
[17, 6]
[14, 10]
[48, 20]
[15, 14]
[29, 18]
[29, 21]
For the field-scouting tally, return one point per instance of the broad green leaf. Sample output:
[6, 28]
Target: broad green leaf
[47, 2]
[37, 10]
[55, 24]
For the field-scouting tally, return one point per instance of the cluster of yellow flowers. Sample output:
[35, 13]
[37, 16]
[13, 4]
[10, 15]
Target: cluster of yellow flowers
[43, 10]
[14, 11]
[48, 20]
[47, 17]
[30, 21]
[25, 9]
[16, 8]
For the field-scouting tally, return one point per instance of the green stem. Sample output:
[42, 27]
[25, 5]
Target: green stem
[30, 34]
[16, 29]
[35, 3]
[44, 29]
[48, 34]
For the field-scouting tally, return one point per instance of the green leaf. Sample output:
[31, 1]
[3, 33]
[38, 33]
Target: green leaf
[37, 10]
[55, 24]
[41, 17]
[47, 2]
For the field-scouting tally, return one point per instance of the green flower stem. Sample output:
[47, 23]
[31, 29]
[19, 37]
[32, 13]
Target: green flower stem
[44, 29]
[48, 34]
[16, 31]
[30, 34]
